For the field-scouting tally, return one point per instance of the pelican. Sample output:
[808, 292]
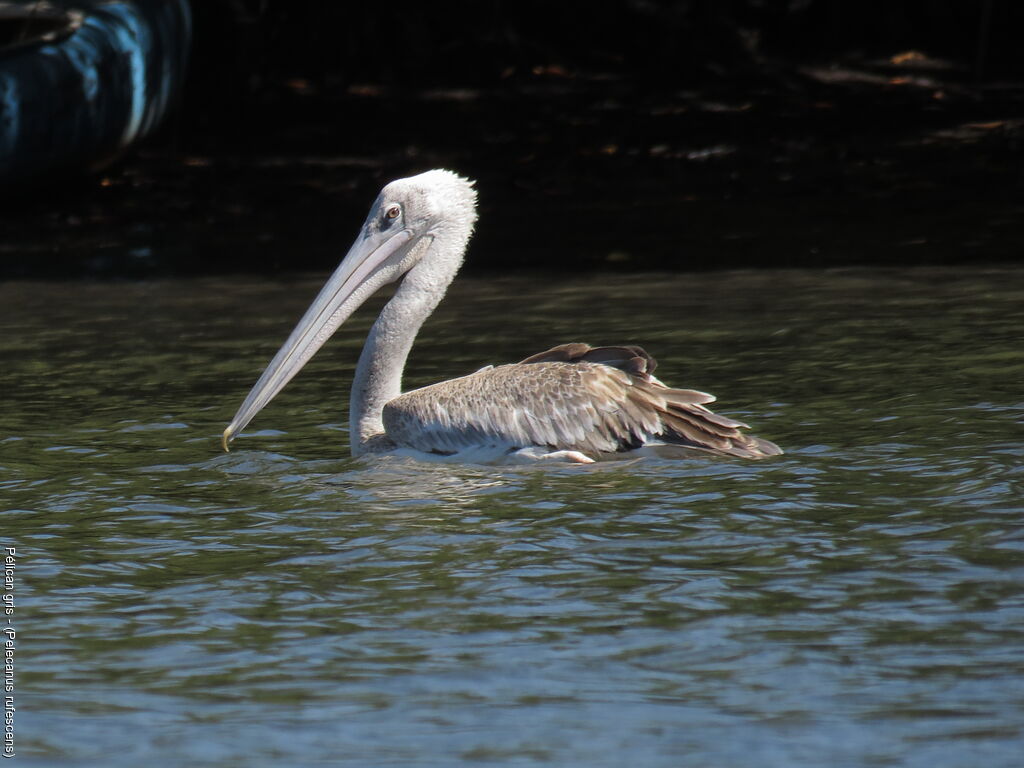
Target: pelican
[573, 403]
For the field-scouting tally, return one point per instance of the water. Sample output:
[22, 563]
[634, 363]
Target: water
[858, 601]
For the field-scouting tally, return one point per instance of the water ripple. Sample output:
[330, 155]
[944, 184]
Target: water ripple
[860, 598]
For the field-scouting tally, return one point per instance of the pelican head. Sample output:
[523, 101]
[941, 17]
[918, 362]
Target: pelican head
[416, 225]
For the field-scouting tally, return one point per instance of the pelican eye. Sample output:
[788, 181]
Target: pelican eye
[392, 212]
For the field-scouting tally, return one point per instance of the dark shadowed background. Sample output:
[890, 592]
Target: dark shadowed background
[628, 135]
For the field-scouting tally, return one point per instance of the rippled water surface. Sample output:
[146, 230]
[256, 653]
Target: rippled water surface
[858, 601]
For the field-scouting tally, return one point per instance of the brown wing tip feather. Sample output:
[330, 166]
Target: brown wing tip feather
[629, 358]
[684, 419]
[687, 422]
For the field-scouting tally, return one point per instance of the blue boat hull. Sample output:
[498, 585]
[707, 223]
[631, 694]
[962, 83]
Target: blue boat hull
[77, 102]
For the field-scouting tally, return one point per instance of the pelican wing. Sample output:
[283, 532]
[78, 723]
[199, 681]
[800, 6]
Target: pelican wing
[573, 397]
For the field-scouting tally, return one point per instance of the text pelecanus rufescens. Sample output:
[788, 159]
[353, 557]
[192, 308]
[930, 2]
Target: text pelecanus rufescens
[572, 403]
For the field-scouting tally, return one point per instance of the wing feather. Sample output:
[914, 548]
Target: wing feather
[573, 397]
